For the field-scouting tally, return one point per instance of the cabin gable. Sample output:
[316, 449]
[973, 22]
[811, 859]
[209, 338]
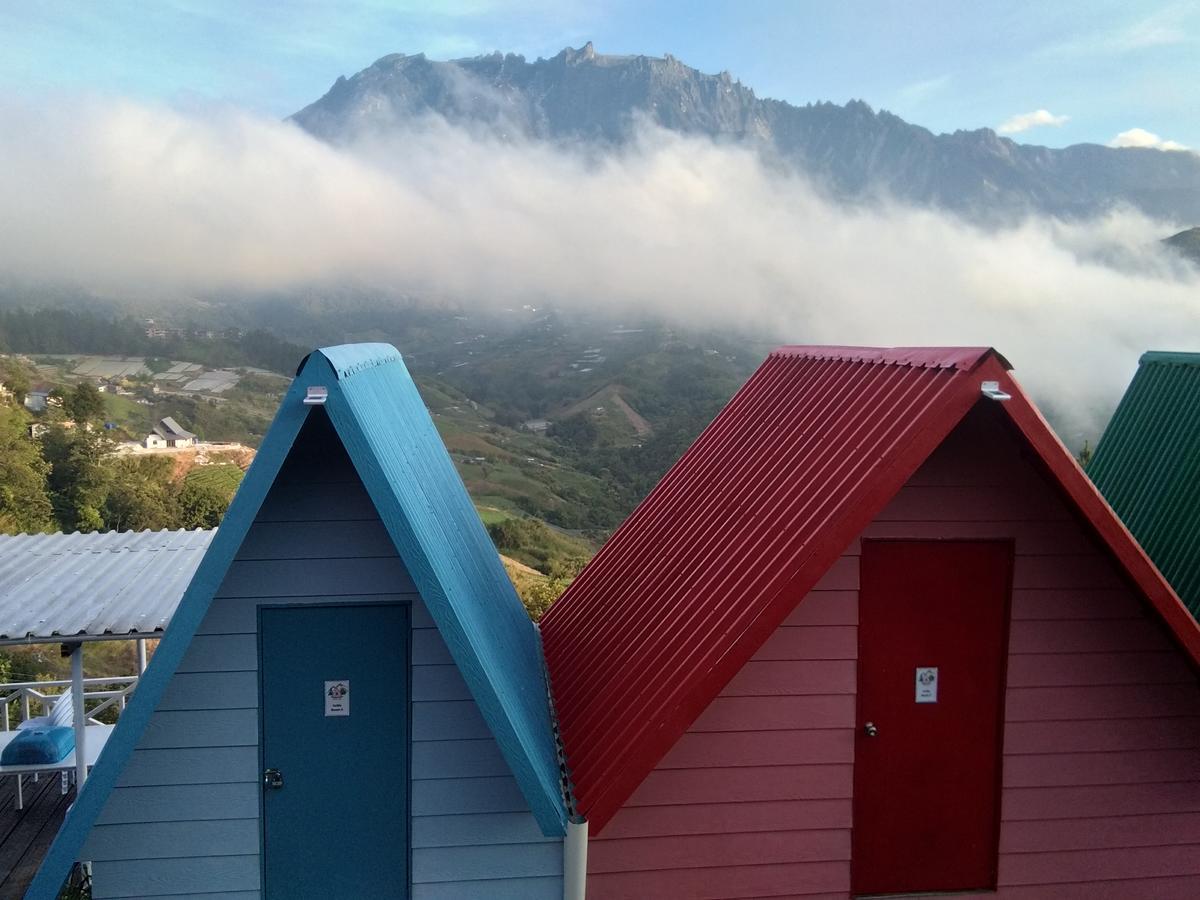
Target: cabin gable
[184, 817]
[1101, 749]
[356, 403]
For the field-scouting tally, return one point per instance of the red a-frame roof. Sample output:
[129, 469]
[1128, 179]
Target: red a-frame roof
[798, 463]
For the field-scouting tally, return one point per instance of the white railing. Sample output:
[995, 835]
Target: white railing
[104, 693]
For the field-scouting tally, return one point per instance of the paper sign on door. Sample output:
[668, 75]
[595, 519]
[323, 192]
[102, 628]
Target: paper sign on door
[337, 698]
[927, 684]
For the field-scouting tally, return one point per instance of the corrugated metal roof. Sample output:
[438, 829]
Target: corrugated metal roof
[742, 527]
[170, 429]
[55, 586]
[1147, 465]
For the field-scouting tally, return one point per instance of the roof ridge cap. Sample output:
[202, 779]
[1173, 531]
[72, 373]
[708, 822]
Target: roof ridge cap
[350, 359]
[929, 357]
[1170, 357]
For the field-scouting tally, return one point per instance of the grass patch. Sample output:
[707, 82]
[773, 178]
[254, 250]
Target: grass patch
[224, 477]
[534, 543]
[492, 516]
[128, 415]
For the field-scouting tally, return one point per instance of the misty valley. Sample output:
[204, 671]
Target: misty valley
[606, 435]
[573, 325]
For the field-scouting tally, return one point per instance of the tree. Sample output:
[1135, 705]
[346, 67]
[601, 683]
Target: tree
[140, 495]
[24, 503]
[78, 480]
[578, 432]
[85, 404]
[201, 504]
[538, 595]
[566, 568]
[13, 374]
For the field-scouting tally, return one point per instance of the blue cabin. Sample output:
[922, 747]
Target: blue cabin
[350, 700]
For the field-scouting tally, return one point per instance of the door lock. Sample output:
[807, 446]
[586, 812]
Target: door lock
[273, 779]
[870, 730]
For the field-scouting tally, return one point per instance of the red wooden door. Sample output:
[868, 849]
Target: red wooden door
[932, 642]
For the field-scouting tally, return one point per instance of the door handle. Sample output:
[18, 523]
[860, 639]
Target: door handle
[273, 779]
[870, 730]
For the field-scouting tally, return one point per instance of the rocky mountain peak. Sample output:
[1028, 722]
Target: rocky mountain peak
[851, 151]
[585, 54]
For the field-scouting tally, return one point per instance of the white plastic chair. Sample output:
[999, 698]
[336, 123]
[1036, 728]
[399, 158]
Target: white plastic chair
[62, 713]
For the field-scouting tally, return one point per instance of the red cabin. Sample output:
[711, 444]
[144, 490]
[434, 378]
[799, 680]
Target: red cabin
[876, 633]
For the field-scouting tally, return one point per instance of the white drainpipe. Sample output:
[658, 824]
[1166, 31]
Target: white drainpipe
[575, 846]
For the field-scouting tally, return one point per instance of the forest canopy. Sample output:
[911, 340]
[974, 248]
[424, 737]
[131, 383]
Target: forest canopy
[68, 479]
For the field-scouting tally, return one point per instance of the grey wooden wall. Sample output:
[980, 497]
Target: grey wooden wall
[184, 818]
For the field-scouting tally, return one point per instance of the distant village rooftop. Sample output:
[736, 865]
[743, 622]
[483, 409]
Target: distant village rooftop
[171, 430]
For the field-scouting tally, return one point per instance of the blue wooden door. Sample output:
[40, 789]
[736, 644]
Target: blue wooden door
[335, 735]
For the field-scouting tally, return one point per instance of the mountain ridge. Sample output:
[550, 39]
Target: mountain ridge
[853, 151]
[1186, 244]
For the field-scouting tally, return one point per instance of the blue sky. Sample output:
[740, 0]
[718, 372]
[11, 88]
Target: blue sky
[1076, 71]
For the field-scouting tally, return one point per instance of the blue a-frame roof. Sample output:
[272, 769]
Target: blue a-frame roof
[380, 418]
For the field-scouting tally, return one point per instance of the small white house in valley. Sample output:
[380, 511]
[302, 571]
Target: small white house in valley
[169, 433]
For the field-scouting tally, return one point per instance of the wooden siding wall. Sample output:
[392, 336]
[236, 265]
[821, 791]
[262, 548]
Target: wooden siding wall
[184, 818]
[1101, 793]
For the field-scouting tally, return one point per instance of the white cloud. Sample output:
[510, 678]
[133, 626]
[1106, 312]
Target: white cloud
[1025, 121]
[919, 91]
[1162, 29]
[1140, 137]
[146, 201]
[1166, 27]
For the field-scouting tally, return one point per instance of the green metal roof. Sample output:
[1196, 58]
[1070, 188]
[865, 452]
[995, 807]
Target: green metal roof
[1147, 465]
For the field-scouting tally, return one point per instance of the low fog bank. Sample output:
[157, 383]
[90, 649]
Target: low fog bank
[122, 197]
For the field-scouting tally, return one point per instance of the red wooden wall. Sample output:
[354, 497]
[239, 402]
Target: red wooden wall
[1101, 792]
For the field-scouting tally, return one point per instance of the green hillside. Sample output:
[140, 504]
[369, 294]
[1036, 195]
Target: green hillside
[558, 426]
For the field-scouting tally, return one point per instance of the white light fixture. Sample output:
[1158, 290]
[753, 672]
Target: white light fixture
[316, 395]
[989, 389]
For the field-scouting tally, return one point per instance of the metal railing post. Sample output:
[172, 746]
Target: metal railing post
[76, 654]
